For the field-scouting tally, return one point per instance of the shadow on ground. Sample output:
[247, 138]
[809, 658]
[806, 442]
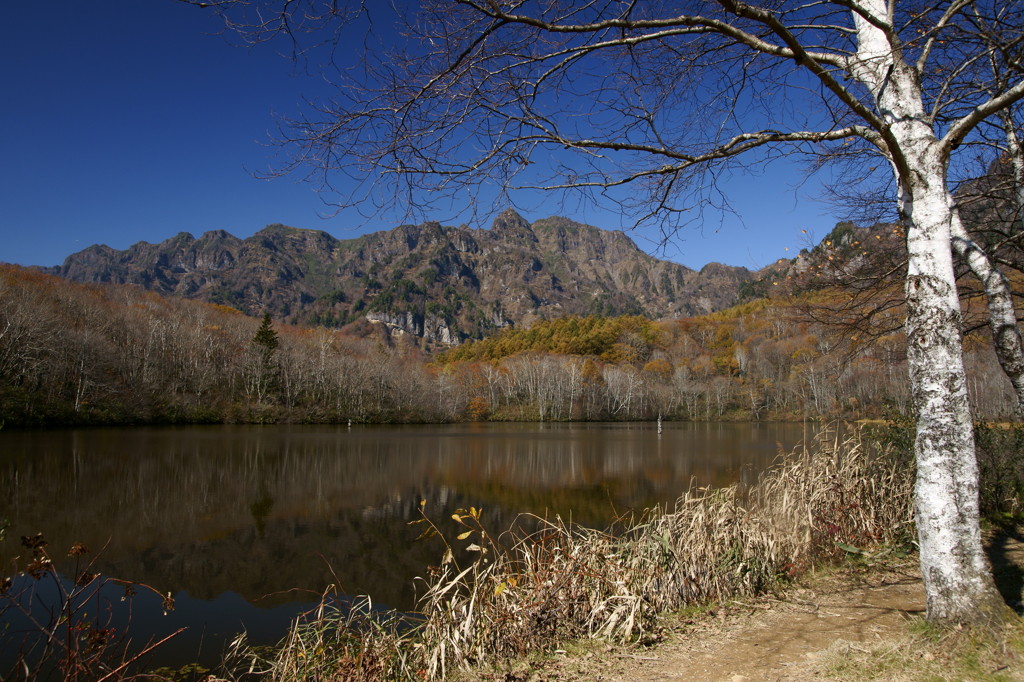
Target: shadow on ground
[1006, 552]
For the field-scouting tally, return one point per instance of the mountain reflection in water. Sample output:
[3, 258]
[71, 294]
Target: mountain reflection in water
[276, 514]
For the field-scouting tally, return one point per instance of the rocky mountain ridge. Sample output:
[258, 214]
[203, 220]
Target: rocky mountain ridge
[442, 284]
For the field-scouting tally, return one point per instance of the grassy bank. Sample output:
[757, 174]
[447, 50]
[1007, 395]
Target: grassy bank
[495, 598]
[925, 652]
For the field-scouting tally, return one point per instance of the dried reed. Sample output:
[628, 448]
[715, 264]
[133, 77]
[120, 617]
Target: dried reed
[528, 590]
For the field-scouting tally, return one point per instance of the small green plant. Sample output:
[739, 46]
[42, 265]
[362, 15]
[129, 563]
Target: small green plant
[192, 672]
[1000, 453]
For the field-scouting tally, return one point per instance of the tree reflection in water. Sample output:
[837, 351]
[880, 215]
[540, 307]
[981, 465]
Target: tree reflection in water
[275, 514]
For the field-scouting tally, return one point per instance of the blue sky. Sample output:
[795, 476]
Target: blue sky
[129, 120]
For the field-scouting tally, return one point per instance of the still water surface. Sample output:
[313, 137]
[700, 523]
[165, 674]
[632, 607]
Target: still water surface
[246, 525]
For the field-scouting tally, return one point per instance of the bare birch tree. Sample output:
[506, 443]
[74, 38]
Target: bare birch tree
[645, 103]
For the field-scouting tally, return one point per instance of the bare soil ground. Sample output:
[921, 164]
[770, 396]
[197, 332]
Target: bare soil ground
[784, 637]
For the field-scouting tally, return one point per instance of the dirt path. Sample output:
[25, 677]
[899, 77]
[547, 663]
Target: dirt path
[778, 641]
[775, 638]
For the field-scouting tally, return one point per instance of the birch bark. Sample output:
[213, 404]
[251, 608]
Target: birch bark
[958, 581]
[1016, 154]
[1002, 316]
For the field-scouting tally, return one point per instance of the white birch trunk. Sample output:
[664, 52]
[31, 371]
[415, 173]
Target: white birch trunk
[1016, 154]
[957, 578]
[1002, 316]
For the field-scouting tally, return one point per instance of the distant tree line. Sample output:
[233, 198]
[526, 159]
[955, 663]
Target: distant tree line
[762, 360]
[91, 354]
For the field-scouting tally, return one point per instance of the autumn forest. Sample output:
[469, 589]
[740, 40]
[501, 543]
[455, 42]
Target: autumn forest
[102, 354]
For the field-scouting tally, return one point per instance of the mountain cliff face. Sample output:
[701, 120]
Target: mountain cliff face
[443, 284]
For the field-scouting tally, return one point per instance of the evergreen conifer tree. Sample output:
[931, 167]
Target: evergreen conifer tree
[263, 377]
[266, 341]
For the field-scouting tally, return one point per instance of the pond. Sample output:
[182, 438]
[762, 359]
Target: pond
[246, 525]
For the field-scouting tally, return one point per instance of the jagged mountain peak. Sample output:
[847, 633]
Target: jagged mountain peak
[428, 281]
[180, 239]
[216, 235]
[510, 225]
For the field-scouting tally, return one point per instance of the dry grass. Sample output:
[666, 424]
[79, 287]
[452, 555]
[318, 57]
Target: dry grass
[926, 652]
[336, 641]
[526, 591]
